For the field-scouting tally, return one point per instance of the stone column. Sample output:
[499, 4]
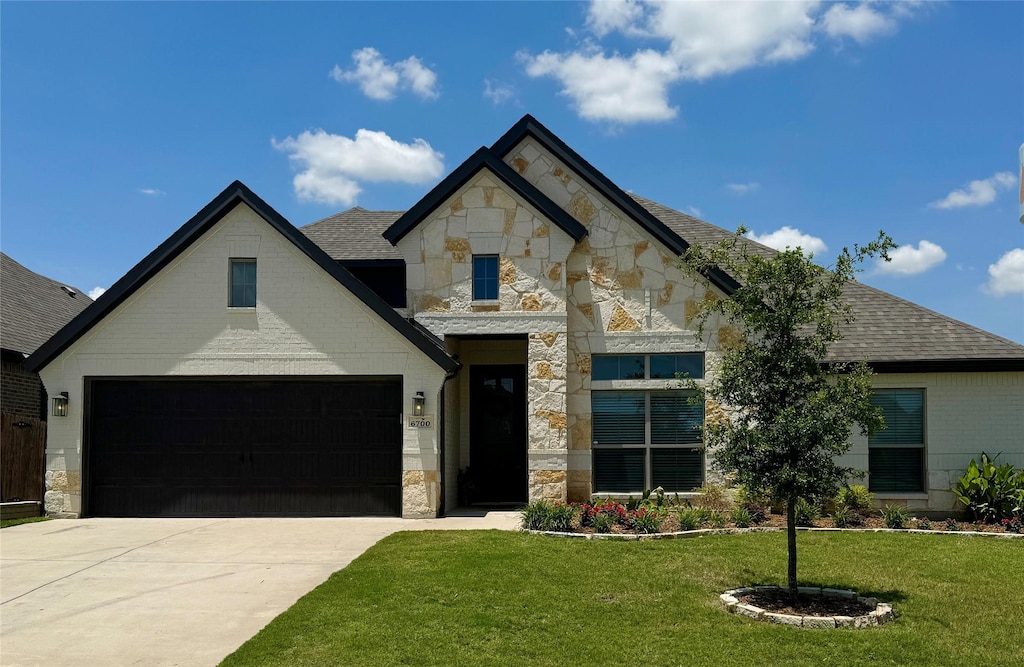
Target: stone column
[546, 418]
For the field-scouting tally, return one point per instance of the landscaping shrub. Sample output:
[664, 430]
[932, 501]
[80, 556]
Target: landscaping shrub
[741, 517]
[843, 517]
[535, 515]
[952, 525]
[689, 518]
[545, 515]
[1014, 525]
[895, 516]
[807, 512]
[991, 492]
[855, 498]
[924, 524]
[603, 523]
[645, 519]
[714, 497]
[758, 505]
[716, 519]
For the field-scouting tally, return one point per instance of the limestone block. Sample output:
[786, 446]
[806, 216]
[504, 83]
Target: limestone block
[501, 199]
[439, 273]
[824, 622]
[473, 198]
[650, 259]
[457, 205]
[456, 244]
[486, 220]
[510, 221]
[457, 227]
[434, 234]
[523, 229]
[581, 434]
[844, 621]
[729, 338]
[552, 187]
[622, 321]
[519, 164]
[540, 247]
[782, 619]
[553, 272]
[416, 276]
[561, 175]
[506, 271]
[432, 304]
[601, 237]
[516, 246]
[630, 279]
[653, 280]
[54, 502]
[748, 610]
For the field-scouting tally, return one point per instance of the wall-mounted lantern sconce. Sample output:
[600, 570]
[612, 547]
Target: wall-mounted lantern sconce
[418, 401]
[60, 404]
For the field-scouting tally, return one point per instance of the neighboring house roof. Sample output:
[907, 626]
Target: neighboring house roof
[33, 307]
[191, 231]
[483, 158]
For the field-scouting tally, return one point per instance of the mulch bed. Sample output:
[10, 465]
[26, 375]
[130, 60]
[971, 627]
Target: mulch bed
[778, 601]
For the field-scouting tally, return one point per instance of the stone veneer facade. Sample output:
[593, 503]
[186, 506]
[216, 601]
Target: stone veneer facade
[616, 291]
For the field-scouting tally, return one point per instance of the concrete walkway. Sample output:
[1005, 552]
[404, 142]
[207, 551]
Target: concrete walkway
[118, 592]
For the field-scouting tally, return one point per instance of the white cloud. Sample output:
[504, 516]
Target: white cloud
[908, 260]
[693, 210]
[333, 165]
[789, 237]
[498, 92]
[151, 192]
[96, 292]
[625, 90]
[743, 188]
[860, 23]
[605, 16]
[977, 193]
[701, 40]
[1006, 276]
[380, 80]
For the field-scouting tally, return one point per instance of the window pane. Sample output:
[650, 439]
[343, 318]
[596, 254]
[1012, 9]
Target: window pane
[673, 420]
[485, 277]
[903, 410]
[243, 284]
[667, 365]
[617, 367]
[896, 469]
[618, 417]
[677, 469]
[618, 470]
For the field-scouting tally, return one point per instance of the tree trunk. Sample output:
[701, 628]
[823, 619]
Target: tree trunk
[791, 544]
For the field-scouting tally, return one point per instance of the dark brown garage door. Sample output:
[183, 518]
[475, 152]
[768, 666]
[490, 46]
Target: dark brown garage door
[278, 447]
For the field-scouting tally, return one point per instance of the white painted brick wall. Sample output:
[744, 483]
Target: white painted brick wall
[304, 323]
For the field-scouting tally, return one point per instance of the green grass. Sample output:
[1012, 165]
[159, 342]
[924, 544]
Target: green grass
[499, 598]
[7, 523]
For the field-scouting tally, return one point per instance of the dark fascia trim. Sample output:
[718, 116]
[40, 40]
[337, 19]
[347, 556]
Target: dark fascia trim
[484, 158]
[530, 126]
[948, 366]
[192, 230]
[12, 355]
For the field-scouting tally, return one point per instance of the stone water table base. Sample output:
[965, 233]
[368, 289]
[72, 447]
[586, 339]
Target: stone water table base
[877, 612]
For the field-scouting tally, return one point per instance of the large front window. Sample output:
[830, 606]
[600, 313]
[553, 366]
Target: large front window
[646, 439]
[896, 454]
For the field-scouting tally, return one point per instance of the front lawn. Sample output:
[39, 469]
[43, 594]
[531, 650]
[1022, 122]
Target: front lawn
[500, 598]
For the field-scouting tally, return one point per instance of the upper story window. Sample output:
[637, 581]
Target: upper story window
[647, 366]
[485, 277]
[243, 284]
[896, 454]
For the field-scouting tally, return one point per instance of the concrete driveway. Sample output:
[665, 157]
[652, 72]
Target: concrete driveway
[119, 592]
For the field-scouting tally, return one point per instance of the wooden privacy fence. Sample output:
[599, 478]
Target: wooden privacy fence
[22, 455]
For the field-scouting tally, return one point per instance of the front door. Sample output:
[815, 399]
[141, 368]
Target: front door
[497, 427]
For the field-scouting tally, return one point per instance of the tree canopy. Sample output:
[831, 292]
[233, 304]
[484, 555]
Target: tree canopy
[788, 413]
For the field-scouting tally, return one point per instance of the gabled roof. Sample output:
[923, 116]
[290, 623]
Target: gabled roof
[483, 158]
[33, 307]
[191, 231]
[528, 126]
[893, 334]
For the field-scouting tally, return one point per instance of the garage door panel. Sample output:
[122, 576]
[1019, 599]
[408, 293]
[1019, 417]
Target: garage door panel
[195, 447]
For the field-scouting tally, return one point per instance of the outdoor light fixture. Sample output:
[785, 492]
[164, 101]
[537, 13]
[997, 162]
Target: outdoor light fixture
[60, 405]
[418, 401]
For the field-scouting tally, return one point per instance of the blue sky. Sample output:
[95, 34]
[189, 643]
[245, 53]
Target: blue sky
[120, 121]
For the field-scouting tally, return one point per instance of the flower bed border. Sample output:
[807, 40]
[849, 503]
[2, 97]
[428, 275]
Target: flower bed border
[642, 537]
[879, 614]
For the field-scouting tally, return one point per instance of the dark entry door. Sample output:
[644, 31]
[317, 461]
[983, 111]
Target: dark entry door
[258, 447]
[497, 426]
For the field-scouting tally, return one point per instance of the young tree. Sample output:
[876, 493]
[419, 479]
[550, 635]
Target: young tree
[790, 414]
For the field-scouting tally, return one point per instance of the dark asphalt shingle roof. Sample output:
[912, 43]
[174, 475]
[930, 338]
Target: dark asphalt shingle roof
[887, 329]
[33, 307]
[354, 234]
